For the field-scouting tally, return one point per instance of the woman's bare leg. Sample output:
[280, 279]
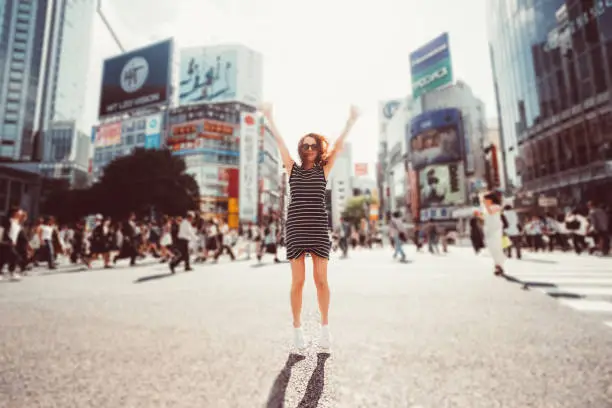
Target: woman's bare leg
[320, 278]
[298, 276]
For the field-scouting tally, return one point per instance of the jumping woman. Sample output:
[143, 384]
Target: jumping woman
[307, 227]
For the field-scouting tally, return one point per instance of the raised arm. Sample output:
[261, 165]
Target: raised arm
[490, 209]
[288, 162]
[339, 144]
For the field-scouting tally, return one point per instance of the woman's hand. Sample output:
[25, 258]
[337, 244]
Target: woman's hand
[266, 109]
[354, 113]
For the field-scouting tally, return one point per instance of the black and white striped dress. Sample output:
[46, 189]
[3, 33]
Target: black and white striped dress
[307, 224]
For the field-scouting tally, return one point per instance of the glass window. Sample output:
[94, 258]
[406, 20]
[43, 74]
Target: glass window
[129, 140]
[16, 75]
[24, 7]
[21, 36]
[19, 56]
[599, 70]
[10, 117]
[23, 27]
[7, 151]
[140, 138]
[19, 46]
[13, 96]
[12, 107]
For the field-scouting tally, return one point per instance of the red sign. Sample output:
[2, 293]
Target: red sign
[361, 169]
[232, 187]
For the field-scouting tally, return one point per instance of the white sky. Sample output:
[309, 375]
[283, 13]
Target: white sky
[319, 56]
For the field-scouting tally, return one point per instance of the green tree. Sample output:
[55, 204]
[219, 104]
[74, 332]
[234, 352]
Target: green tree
[357, 208]
[143, 181]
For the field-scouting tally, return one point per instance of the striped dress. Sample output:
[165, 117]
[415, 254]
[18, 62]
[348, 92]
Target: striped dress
[307, 225]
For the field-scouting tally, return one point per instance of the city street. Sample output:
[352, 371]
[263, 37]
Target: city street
[439, 331]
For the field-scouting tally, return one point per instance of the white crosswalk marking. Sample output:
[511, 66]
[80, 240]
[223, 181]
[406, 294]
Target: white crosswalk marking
[580, 282]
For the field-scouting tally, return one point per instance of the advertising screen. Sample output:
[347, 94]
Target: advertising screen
[430, 66]
[442, 185]
[435, 137]
[136, 79]
[108, 135]
[220, 74]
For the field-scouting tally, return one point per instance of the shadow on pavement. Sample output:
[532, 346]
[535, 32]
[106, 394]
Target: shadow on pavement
[528, 285]
[276, 399]
[565, 295]
[148, 278]
[541, 261]
[315, 386]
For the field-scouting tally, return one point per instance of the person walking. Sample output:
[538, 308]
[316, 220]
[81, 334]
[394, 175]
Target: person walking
[494, 229]
[186, 234]
[307, 224]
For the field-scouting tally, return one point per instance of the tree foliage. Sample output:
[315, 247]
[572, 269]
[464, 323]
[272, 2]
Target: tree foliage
[357, 208]
[141, 182]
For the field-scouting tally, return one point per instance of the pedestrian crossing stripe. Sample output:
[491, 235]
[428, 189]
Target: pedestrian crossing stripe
[585, 305]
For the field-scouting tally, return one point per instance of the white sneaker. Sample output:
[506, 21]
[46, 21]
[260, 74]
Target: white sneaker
[298, 338]
[326, 339]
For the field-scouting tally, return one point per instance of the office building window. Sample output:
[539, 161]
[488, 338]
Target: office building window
[13, 96]
[129, 140]
[12, 117]
[7, 151]
[12, 107]
[16, 75]
[19, 56]
[140, 138]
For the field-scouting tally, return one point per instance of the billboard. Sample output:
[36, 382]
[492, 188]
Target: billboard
[108, 135]
[442, 185]
[430, 66]
[249, 151]
[136, 79]
[435, 137]
[217, 74]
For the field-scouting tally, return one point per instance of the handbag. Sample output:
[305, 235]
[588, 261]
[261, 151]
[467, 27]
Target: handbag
[506, 243]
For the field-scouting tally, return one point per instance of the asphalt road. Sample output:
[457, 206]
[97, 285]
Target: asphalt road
[436, 332]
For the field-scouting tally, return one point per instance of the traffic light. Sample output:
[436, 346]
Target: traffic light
[453, 171]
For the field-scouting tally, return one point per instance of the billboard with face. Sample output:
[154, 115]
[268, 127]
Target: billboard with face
[442, 185]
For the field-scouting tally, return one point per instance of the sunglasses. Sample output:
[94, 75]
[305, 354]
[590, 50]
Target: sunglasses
[313, 147]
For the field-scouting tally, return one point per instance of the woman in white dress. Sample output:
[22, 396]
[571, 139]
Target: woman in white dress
[493, 229]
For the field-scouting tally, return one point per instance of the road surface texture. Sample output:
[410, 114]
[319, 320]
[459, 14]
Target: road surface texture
[437, 332]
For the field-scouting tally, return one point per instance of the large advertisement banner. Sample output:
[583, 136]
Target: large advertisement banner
[431, 66]
[108, 135]
[435, 137]
[136, 79]
[202, 136]
[442, 185]
[220, 74]
[249, 151]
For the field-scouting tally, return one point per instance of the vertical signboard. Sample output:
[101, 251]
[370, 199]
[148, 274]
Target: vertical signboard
[249, 151]
[430, 66]
[153, 132]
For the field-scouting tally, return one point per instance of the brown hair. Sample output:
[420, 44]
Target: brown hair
[322, 144]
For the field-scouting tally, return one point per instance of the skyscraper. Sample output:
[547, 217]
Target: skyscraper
[22, 32]
[44, 60]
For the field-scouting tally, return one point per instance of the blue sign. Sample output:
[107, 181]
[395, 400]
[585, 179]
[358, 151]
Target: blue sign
[137, 79]
[435, 137]
[431, 66]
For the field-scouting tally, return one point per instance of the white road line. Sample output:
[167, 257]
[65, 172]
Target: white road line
[570, 281]
[583, 290]
[528, 275]
[588, 305]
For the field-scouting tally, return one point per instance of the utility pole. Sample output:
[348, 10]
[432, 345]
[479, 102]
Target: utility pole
[108, 26]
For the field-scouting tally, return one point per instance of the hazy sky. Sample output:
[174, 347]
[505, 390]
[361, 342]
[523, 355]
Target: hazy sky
[319, 56]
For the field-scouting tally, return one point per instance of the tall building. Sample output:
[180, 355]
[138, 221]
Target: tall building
[552, 66]
[69, 36]
[22, 37]
[44, 60]
[340, 183]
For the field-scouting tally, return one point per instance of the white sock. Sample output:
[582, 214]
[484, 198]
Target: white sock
[298, 338]
[325, 339]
